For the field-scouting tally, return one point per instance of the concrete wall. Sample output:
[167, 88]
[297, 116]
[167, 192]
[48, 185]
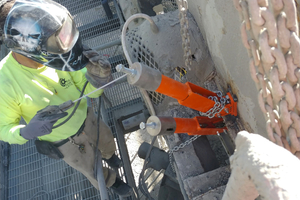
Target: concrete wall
[220, 25]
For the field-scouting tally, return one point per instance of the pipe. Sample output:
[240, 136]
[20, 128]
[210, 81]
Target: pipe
[158, 159]
[107, 45]
[154, 29]
[101, 179]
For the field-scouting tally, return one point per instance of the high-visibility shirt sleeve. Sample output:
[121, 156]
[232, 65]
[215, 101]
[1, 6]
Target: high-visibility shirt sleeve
[79, 80]
[10, 117]
[24, 91]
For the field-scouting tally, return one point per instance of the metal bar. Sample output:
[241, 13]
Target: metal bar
[155, 179]
[107, 45]
[101, 179]
[119, 13]
[100, 87]
[125, 159]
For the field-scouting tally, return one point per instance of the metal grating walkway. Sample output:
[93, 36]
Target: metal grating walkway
[35, 176]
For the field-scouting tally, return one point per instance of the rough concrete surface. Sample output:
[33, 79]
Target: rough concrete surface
[205, 182]
[215, 194]
[220, 26]
[261, 167]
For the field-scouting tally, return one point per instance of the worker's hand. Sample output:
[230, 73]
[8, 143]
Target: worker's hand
[42, 123]
[98, 69]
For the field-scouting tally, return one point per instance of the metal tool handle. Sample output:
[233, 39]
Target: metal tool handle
[66, 105]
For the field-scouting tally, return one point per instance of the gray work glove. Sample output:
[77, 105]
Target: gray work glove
[42, 123]
[98, 69]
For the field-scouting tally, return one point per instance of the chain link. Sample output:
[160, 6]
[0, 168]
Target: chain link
[181, 146]
[269, 32]
[218, 107]
[184, 32]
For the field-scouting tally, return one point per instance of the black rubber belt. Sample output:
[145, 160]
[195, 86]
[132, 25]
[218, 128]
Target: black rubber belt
[67, 139]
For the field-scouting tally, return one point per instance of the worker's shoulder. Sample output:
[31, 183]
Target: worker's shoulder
[6, 72]
[5, 63]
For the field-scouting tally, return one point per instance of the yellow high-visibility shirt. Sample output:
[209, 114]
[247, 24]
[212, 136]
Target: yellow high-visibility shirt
[24, 91]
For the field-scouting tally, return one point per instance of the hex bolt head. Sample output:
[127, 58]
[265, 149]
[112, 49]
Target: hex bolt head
[144, 125]
[121, 68]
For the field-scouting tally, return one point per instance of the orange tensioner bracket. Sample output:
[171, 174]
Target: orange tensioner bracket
[157, 125]
[195, 97]
[188, 94]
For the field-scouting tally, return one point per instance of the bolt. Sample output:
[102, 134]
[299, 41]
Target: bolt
[226, 110]
[144, 125]
[218, 115]
[121, 68]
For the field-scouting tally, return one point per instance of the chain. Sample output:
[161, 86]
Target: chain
[181, 146]
[269, 32]
[184, 32]
[218, 107]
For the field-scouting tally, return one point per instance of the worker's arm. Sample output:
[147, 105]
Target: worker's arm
[97, 72]
[98, 69]
[10, 116]
[79, 80]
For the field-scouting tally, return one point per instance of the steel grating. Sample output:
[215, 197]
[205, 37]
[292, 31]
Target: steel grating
[76, 6]
[35, 176]
[91, 20]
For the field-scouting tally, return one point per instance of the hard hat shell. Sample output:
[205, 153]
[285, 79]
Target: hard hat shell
[29, 25]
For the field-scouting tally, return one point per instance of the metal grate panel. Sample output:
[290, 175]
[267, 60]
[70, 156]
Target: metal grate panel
[77, 6]
[122, 93]
[143, 55]
[35, 176]
[91, 19]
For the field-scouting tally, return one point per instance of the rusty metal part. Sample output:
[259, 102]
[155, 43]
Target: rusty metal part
[270, 31]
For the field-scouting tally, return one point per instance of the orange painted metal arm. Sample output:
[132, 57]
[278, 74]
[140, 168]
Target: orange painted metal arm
[173, 88]
[193, 96]
[198, 126]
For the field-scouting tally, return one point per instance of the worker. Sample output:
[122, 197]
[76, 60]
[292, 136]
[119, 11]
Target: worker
[46, 67]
